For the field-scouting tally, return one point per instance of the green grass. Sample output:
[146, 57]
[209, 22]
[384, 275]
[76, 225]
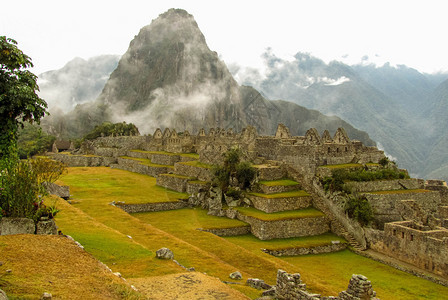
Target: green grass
[201, 219]
[283, 215]
[281, 182]
[332, 272]
[196, 163]
[93, 222]
[117, 185]
[390, 192]
[147, 162]
[291, 194]
[342, 166]
[250, 242]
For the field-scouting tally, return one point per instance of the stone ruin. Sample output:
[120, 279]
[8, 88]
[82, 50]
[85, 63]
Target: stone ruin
[290, 286]
[300, 157]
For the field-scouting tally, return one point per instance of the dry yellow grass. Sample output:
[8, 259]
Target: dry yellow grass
[192, 285]
[56, 265]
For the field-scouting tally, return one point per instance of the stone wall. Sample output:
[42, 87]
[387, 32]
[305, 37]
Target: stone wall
[9, 226]
[173, 182]
[163, 159]
[233, 231]
[84, 160]
[266, 189]
[137, 167]
[270, 205]
[151, 207]
[203, 174]
[386, 207]
[417, 245]
[290, 286]
[307, 250]
[267, 230]
[387, 185]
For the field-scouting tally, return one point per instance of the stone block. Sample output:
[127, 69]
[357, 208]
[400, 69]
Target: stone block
[47, 227]
[9, 226]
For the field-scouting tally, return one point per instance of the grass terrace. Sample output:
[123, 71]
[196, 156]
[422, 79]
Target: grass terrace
[281, 182]
[104, 229]
[291, 194]
[249, 241]
[283, 215]
[116, 185]
[147, 162]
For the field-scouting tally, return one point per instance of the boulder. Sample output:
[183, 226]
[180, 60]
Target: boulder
[10, 226]
[164, 253]
[258, 284]
[236, 275]
[46, 296]
[3, 295]
[215, 202]
[62, 191]
[46, 227]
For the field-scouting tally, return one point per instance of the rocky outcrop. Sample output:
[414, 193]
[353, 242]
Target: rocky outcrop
[164, 253]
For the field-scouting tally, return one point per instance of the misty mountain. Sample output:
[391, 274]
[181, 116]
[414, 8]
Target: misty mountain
[170, 78]
[437, 162]
[387, 102]
[79, 81]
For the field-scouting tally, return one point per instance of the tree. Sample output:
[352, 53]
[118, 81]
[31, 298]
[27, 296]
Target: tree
[19, 101]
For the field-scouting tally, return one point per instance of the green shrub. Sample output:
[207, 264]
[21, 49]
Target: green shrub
[358, 208]
[245, 174]
[19, 190]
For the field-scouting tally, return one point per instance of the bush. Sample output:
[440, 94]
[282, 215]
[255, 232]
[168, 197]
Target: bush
[245, 174]
[19, 190]
[32, 140]
[108, 129]
[358, 208]
[233, 167]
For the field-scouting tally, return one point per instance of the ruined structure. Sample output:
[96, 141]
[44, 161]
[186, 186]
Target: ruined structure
[410, 215]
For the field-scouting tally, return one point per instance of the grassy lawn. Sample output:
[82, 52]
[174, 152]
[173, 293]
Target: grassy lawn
[250, 242]
[399, 192]
[116, 185]
[283, 215]
[333, 271]
[103, 230]
[291, 194]
[146, 162]
[283, 182]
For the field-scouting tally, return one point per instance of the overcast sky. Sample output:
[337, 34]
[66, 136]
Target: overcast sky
[401, 32]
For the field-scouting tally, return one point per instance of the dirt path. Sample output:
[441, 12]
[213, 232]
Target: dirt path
[192, 285]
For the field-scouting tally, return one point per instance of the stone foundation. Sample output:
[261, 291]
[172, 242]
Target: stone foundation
[9, 226]
[387, 185]
[173, 182]
[233, 231]
[203, 174]
[151, 207]
[270, 205]
[267, 230]
[266, 189]
[308, 250]
[137, 167]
